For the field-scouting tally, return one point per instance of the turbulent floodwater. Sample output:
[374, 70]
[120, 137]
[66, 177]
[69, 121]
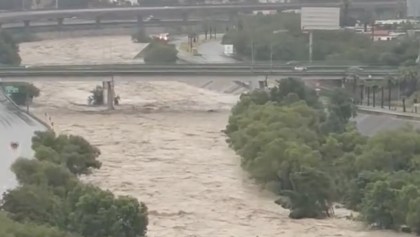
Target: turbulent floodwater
[81, 50]
[164, 147]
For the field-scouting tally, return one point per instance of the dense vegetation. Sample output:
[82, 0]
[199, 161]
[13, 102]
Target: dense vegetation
[280, 35]
[160, 53]
[50, 201]
[305, 149]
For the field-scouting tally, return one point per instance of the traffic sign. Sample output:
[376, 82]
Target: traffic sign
[11, 90]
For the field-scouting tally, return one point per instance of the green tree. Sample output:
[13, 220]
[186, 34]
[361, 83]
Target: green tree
[378, 204]
[50, 193]
[413, 214]
[289, 43]
[11, 228]
[75, 152]
[97, 213]
[42, 173]
[34, 204]
[9, 51]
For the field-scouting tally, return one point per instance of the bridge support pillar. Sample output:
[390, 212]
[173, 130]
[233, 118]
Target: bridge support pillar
[104, 91]
[60, 21]
[110, 94]
[27, 23]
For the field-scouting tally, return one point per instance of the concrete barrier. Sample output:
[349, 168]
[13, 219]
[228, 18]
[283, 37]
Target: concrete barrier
[400, 115]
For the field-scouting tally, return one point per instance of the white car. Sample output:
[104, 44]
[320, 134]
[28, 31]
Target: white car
[300, 68]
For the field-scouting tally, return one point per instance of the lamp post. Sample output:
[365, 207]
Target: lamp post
[252, 52]
[271, 48]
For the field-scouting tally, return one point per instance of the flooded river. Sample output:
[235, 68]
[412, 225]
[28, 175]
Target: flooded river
[164, 146]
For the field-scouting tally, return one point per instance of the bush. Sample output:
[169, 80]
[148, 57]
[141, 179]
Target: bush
[161, 53]
[98, 95]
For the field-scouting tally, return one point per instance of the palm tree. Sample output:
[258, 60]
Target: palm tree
[408, 77]
[346, 6]
[354, 74]
[391, 82]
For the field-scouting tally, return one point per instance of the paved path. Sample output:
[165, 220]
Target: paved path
[15, 126]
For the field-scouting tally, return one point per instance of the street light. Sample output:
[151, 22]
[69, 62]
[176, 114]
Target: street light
[271, 47]
[252, 51]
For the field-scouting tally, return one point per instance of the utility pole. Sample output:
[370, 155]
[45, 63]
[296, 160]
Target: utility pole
[252, 52]
[311, 39]
[271, 55]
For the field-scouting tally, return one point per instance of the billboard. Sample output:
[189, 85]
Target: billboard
[413, 8]
[320, 18]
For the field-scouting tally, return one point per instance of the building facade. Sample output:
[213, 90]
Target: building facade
[413, 8]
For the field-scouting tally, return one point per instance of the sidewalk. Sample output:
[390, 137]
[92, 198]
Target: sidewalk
[395, 111]
[209, 51]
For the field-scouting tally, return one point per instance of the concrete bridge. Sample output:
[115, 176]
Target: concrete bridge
[182, 12]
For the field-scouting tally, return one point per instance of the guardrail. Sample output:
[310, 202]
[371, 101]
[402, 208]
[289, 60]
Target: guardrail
[182, 70]
[343, 68]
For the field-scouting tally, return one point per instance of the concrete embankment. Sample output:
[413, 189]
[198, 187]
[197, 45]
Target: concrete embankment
[16, 126]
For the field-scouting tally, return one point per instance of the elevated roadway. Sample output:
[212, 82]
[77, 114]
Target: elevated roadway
[50, 25]
[191, 70]
[139, 12]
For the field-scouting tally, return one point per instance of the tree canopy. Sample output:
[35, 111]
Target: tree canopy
[306, 149]
[9, 50]
[50, 194]
[280, 36]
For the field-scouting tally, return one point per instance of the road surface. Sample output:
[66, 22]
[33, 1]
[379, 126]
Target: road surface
[135, 11]
[369, 124]
[15, 126]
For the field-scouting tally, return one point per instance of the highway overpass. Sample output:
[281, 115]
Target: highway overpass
[85, 25]
[181, 11]
[80, 24]
[140, 71]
